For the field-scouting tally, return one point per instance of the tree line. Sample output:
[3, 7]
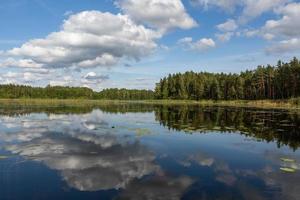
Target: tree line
[12, 91]
[265, 82]
[125, 94]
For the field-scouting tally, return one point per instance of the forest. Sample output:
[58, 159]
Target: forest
[265, 82]
[59, 92]
[125, 94]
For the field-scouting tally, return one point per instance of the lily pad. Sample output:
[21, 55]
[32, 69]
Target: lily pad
[294, 166]
[187, 130]
[142, 131]
[287, 160]
[286, 169]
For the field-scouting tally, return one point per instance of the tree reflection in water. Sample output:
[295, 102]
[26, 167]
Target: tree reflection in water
[278, 126]
[91, 155]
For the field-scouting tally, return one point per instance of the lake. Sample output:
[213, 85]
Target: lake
[136, 151]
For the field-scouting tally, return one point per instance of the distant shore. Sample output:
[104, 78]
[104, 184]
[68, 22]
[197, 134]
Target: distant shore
[269, 104]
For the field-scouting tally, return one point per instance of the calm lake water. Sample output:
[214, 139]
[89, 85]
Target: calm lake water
[149, 152]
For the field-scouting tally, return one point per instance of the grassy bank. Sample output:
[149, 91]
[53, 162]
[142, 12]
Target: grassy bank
[57, 102]
[276, 104]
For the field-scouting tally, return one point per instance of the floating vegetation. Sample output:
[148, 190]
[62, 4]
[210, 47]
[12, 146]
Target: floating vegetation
[217, 128]
[200, 129]
[286, 125]
[188, 130]
[287, 169]
[185, 126]
[142, 131]
[3, 157]
[284, 121]
[289, 165]
[259, 123]
[294, 166]
[287, 160]
[229, 128]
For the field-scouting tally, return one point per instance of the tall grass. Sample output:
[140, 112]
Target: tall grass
[293, 103]
[56, 102]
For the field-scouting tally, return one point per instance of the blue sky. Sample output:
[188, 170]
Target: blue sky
[132, 44]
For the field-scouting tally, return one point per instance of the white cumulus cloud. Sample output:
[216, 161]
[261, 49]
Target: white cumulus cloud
[22, 63]
[229, 25]
[255, 8]
[250, 9]
[203, 44]
[87, 39]
[224, 37]
[289, 24]
[284, 46]
[286, 30]
[94, 78]
[163, 15]
[228, 5]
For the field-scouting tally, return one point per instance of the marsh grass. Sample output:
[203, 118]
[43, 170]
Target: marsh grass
[276, 104]
[56, 102]
[293, 103]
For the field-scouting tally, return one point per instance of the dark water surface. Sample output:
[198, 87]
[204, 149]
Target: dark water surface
[149, 152]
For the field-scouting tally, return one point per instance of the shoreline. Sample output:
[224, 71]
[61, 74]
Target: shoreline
[264, 104]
